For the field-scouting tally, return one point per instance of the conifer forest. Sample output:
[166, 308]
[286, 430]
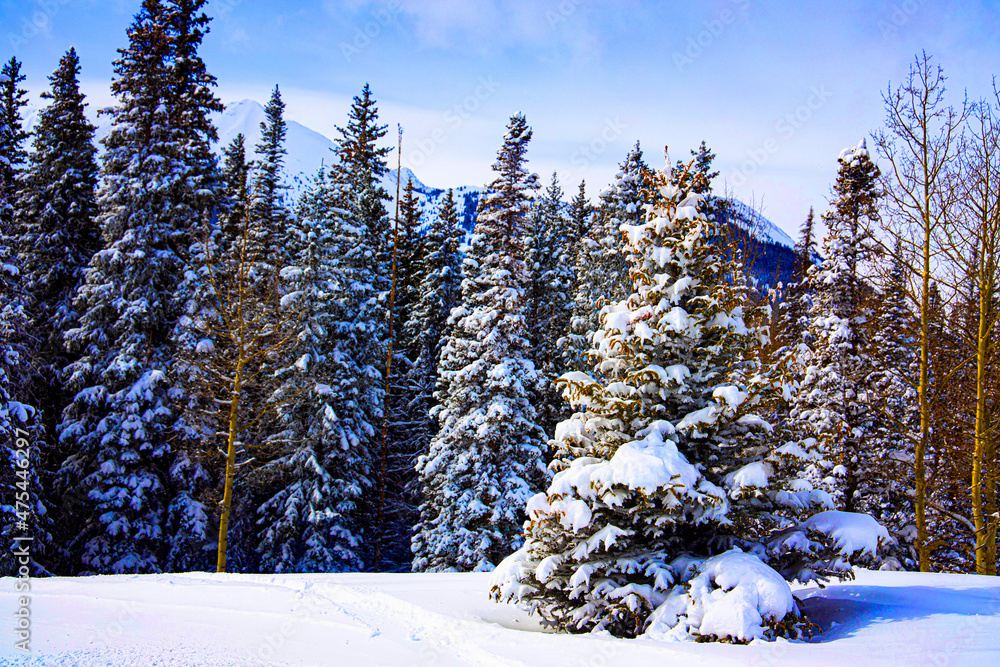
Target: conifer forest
[625, 401]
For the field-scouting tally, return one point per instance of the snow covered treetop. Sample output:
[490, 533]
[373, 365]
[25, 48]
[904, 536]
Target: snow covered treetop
[852, 154]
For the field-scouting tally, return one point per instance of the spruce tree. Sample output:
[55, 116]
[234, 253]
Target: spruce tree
[833, 401]
[364, 245]
[24, 514]
[55, 217]
[665, 474]
[487, 458]
[129, 466]
[310, 522]
[13, 98]
[550, 295]
[439, 290]
[886, 478]
[404, 425]
[601, 260]
[796, 297]
[574, 341]
[118, 425]
[267, 200]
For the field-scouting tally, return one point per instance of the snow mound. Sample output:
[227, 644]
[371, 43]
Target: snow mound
[734, 595]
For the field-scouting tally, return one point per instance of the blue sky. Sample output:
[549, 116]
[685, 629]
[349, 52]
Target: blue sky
[777, 89]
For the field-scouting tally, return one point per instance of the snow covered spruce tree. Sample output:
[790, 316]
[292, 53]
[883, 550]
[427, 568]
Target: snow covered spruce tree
[13, 99]
[405, 425]
[665, 515]
[309, 522]
[487, 458]
[574, 341]
[550, 296]
[363, 281]
[55, 216]
[439, 291]
[885, 490]
[117, 427]
[21, 436]
[833, 399]
[601, 261]
[121, 472]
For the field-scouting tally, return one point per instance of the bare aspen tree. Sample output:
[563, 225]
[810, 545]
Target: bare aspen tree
[973, 244]
[243, 330]
[919, 144]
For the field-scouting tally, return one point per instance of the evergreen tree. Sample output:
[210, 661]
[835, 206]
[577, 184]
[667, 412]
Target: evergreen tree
[833, 401]
[409, 260]
[310, 522]
[439, 290]
[364, 243]
[117, 427]
[236, 172]
[796, 297]
[405, 423]
[574, 342]
[886, 479]
[601, 261]
[666, 466]
[550, 296]
[55, 217]
[486, 459]
[24, 514]
[125, 471]
[267, 201]
[13, 155]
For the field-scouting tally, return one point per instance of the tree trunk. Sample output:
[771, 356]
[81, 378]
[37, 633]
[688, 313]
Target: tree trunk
[227, 494]
[920, 481]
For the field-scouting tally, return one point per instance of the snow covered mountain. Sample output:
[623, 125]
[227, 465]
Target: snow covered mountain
[308, 150]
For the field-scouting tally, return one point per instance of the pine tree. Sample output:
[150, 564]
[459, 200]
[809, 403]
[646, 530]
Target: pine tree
[796, 297]
[885, 483]
[236, 183]
[404, 434]
[117, 427]
[24, 513]
[267, 204]
[55, 217]
[550, 296]
[574, 342]
[365, 244]
[667, 466]
[486, 459]
[310, 522]
[833, 400]
[439, 290]
[601, 262]
[159, 183]
[13, 155]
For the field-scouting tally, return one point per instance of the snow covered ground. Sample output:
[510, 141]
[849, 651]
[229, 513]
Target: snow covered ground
[882, 618]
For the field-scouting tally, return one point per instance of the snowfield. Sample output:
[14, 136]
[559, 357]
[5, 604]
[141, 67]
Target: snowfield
[882, 618]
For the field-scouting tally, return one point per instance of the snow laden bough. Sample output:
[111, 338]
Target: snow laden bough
[673, 513]
[607, 549]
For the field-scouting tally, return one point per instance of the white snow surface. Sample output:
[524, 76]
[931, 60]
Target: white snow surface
[447, 620]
